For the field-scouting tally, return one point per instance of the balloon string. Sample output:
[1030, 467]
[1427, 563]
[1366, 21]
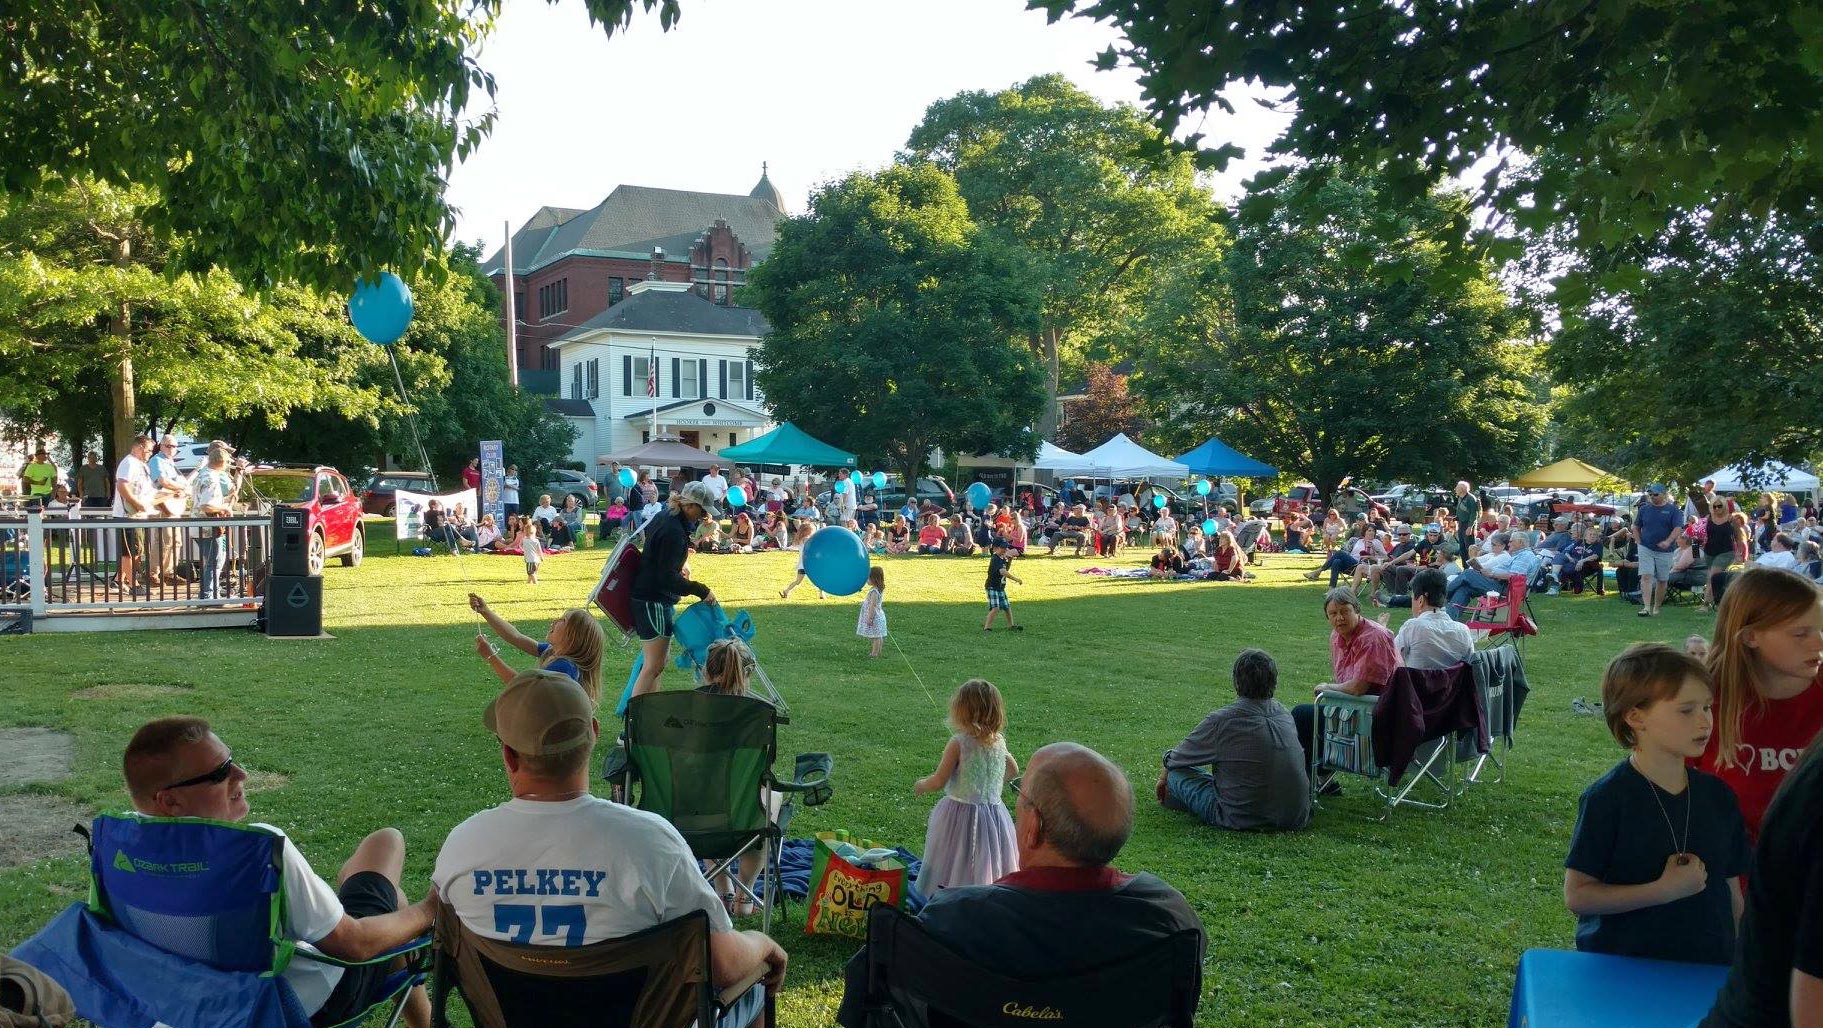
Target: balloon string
[411, 419]
[914, 671]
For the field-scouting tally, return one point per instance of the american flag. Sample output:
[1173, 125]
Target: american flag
[652, 376]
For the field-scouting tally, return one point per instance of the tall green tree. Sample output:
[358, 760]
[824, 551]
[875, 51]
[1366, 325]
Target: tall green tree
[1708, 359]
[1324, 351]
[1641, 110]
[282, 140]
[897, 324]
[99, 328]
[1096, 197]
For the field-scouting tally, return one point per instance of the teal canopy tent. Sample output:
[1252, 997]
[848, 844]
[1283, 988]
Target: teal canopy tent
[789, 444]
[1217, 459]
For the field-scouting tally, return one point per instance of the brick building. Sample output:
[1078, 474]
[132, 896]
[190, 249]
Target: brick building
[570, 266]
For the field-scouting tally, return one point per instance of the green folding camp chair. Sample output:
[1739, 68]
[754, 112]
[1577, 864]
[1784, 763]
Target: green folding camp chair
[701, 761]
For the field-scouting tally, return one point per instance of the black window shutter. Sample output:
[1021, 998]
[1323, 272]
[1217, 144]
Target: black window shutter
[626, 378]
[677, 376]
[749, 380]
[702, 376]
[724, 372]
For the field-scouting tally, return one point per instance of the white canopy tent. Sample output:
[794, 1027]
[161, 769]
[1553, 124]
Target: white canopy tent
[1781, 477]
[1121, 457]
[1055, 458]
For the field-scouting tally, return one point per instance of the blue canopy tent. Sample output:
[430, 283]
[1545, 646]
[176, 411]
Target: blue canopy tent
[789, 444]
[1216, 459]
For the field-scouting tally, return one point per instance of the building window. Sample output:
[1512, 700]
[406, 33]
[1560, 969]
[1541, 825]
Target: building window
[519, 305]
[617, 290]
[576, 381]
[639, 369]
[553, 298]
[547, 359]
[737, 381]
[720, 289]
[688, 382]
[594, 378]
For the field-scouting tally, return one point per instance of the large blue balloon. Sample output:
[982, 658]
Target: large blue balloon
[835, 561]
[841, 485]
[879, 480]
[737, 497]
[1209, 526]
[381, 309]
[1158, 500]
[854, 478]
[1202, 488]
[979, 495]
[627, 478]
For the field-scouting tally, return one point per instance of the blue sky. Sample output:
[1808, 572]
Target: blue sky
[816, 88]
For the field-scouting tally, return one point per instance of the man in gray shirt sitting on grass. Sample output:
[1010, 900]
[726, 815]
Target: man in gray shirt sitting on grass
[1256, 776]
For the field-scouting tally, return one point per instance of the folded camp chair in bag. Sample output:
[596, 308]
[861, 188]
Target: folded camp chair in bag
[184, 927]
[1499, 673]
[1343, 743]
[658, 978]
[700, 761]
[915, 981]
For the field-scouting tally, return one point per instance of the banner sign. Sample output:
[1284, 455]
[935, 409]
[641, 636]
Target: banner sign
[408, 509]
[493, 480]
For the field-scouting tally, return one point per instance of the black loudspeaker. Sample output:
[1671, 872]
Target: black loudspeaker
[290, 540]
[294, 605]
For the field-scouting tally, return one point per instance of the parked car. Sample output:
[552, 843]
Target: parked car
[1042, 495]
[565, 482]
[377, 494]
[1415, 503]
[335, 508]
[892, 497]
[1349, 500]
[191, 456]
[1302, 499]
[1533, 506]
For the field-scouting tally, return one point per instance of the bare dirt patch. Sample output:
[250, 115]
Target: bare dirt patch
[38, 828]
[262, 781]
[128, 691]
[34, 755]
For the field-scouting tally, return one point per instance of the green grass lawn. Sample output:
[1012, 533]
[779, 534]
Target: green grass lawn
[1415, 921]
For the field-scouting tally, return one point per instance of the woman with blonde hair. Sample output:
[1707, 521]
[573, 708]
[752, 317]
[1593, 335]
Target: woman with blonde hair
[1765, 659]
[572, 646]
[726, 671]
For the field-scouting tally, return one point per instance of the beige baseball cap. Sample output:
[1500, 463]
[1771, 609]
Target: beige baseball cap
[541, 713]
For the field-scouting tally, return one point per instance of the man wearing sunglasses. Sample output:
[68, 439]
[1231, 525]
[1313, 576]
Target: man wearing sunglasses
[177, 767]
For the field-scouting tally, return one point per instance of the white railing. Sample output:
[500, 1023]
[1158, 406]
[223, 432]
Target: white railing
[91, 562]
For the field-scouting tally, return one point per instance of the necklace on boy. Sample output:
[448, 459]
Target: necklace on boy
[1677, 847]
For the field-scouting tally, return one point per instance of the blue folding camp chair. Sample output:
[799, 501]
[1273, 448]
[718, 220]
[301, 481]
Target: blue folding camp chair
[183, 927]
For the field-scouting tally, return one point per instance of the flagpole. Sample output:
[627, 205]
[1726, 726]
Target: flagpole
[512, 315]
[652, 387]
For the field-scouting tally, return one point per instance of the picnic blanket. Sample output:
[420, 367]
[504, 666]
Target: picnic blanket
[795, 857]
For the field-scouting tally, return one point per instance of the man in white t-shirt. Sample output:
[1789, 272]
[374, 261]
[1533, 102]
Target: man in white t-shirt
[1430, 639]
[177, 767]
[132, 499]
[1781, 554]
[716, 483]
[555, 866]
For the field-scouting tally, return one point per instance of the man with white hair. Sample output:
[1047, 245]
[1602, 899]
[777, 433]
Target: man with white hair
[1467, 509]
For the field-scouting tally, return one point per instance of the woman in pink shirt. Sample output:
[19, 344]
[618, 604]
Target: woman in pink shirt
[1361, 658]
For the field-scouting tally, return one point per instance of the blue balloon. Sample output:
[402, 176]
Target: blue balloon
[879, 480]
[737, 497]
[1202, 488]
[841, 485]
[627, 478]
[381, 309]
[835, 561]
[979, 495]
[855, 478]
[1158, 500]
[1209, 526]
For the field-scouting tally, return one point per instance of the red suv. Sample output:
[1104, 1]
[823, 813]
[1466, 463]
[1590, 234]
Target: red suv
[335, 508]
[1349, 500]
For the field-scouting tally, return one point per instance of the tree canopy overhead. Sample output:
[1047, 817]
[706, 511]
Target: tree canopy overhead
[1655, 108]
[1326, 352]
[284, 140]
[897, 324]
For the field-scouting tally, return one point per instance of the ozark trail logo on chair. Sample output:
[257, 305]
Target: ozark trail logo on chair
[122, 862]
[1032, 1013]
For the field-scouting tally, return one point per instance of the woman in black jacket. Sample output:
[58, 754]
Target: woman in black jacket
[660, 582]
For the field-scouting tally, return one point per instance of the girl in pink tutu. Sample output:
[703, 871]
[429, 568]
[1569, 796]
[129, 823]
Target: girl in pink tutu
[970, 837]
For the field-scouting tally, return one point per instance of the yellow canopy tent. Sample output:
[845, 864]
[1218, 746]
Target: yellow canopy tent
[1568, 473]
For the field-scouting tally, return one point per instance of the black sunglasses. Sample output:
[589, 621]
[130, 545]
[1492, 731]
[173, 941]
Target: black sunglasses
[215, 777]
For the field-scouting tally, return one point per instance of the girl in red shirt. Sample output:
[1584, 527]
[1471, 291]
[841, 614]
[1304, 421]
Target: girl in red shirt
[1765, 659]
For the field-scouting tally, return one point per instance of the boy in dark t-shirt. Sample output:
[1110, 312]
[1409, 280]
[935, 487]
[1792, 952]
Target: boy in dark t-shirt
[1658, 851]
[997, 574]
